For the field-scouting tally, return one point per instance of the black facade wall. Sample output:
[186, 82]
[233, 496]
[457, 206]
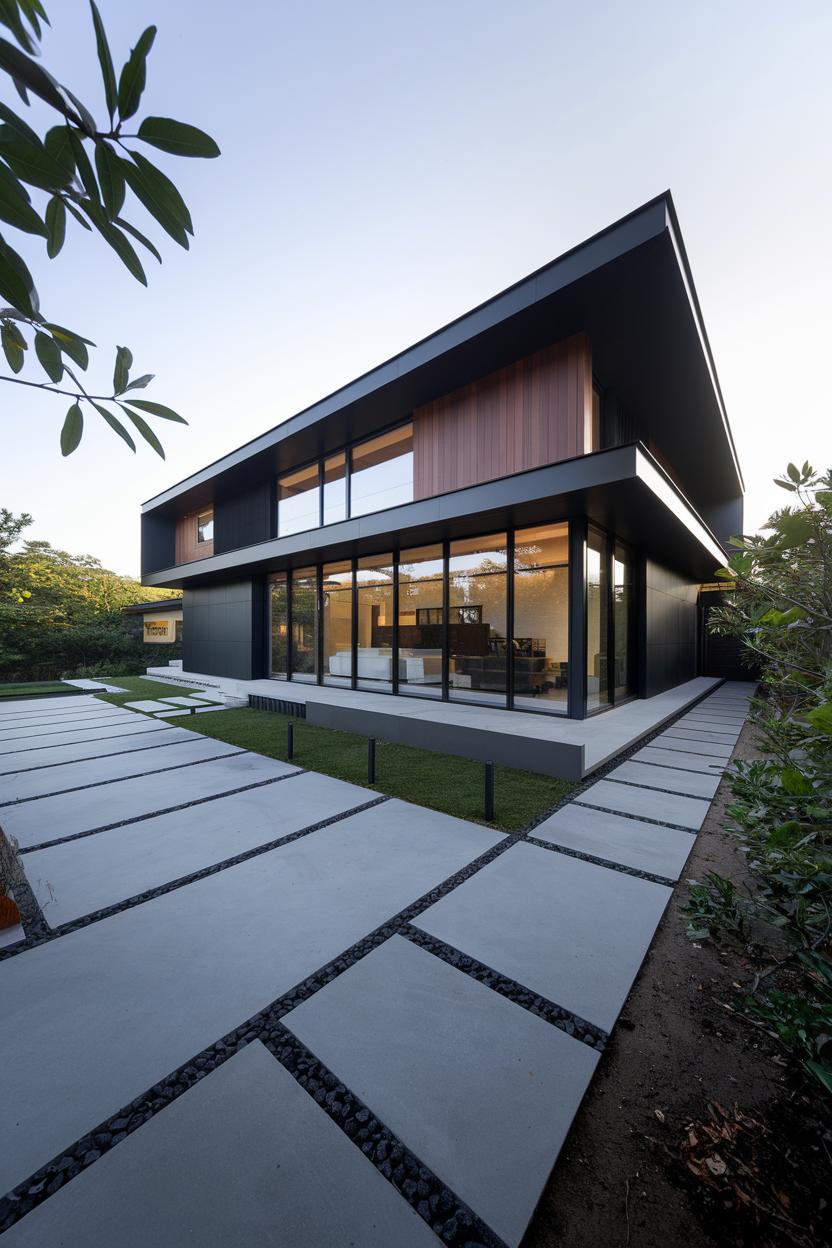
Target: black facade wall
[669, 641]
[244, 518]
[223, 630]
[158, 542]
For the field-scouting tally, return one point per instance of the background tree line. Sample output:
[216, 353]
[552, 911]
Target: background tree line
[60, 614]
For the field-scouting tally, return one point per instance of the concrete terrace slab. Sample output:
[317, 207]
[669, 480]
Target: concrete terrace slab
[699, 749]
[701, 763]
[624, 799]
[672, 779]
[96, 771]
[134, 996]
[80, 877]
[630, 842]
[80, 751]
[147, 704]
[550, 744]
[480, 1089]
[33, 745]
[50, 818]
[583, 933]
[181, 1180]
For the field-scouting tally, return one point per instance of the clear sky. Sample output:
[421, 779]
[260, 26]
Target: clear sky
[387, 166]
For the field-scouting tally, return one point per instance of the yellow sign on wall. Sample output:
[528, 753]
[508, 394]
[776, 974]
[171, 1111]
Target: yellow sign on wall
[159, 630]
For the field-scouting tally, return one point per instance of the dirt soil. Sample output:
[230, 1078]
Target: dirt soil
[622, 1177]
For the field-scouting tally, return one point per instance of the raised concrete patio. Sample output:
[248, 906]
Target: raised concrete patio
[552, 745]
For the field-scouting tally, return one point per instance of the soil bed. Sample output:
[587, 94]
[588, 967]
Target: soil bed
[623, 1177]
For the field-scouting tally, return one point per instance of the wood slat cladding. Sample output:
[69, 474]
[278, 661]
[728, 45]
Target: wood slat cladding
[531, 413]
[188, 548]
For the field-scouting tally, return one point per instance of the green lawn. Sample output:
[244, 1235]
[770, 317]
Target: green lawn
[441, 781]
[32, 688]
[139, 687]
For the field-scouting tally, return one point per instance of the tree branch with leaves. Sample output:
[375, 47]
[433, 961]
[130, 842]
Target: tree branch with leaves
[81, 173]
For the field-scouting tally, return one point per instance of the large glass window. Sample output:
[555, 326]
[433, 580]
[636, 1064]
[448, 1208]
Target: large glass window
[336, 587]
[298, 501]
[335, 488]
[374, 658]
[382, 472]
[597, 621]
[304, 624]
[420, 641]
[477, 646]
[541, 618]
[622, 606]
[280, 624]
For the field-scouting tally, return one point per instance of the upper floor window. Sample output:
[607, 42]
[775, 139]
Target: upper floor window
[335, 488]
[205, 526]
[382, 472]
[298, 501]
[595, 421]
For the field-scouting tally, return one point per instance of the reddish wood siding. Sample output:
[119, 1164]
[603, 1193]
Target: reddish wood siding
[187, 547]
[531, 413]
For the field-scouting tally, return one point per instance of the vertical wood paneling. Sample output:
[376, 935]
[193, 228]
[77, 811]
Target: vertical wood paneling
[187, 547]
[531, 413]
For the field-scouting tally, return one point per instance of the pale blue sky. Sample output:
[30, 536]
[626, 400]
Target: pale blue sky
[386, 167]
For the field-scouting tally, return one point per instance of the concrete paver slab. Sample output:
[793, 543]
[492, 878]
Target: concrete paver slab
[583, 933]
[230, 1162]
[70, 709]
[33, 751]
[9, 705]
[186, 701]
[31, 784]
[134, 996]
[23, 732]
[644, 846]
[701, 734]
[10, 935]
[671, 779]
[147, 704]
[480, 1089]
[50, 818]
[95, 684]
[710, 725]
[702, 763]
[80, 751]
[702, 749]
[623, 799]
[80, 877]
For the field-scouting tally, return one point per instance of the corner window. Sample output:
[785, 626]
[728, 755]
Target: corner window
[382, 472]
[205, 526]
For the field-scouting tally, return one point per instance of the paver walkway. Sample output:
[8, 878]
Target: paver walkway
[256, 1004]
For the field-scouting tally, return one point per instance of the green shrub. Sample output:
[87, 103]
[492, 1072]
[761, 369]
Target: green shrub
[781, 607]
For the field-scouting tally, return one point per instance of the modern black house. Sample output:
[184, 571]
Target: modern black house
[517, 511]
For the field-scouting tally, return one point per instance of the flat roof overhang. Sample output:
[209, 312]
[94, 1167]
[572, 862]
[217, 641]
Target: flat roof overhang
[622, 489]
[629, 287]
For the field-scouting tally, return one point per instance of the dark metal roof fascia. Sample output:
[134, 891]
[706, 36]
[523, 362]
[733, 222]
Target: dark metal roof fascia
[624, 235]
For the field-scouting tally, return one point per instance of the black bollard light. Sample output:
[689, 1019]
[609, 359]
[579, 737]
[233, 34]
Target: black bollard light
[290, 739]
[371, 760]
[489, 791]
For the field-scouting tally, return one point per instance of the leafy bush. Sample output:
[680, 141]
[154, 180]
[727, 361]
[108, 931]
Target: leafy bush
[781, 607]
